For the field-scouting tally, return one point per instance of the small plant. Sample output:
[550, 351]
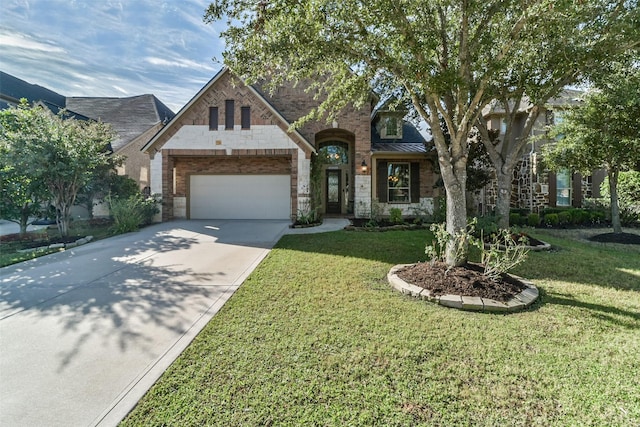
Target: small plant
[515, 219]
[377, 210]
[503, 253]
[130, 213]
[437, 250]
[564, 218]
[486, 225]
[551, 219]
[306, 215]
[395, 216]
[533, 220]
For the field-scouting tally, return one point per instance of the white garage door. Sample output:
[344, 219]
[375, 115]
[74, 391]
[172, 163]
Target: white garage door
[240, 197]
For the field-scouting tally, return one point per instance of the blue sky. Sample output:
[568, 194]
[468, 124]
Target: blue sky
[111, 48]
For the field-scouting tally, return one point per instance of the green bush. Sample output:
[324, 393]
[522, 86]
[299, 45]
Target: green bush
[130, 213]
[395, 216]
[551, 219]
[597, 217]
[486, 225]
[515, 219]
[564, 217]
[533, 220]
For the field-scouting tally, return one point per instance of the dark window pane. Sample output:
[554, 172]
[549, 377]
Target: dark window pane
[245, 117]
[213, 118]
[229, 105]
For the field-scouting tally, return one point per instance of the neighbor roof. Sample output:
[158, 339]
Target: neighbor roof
[12, 89]
[129, 117]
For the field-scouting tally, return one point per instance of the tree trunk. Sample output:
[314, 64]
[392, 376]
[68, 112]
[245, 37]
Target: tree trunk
[503, 200]
[615, 207]
[457, 251]
[24, 223]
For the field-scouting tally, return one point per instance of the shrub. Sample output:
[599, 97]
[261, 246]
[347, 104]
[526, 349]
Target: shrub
[132, 212]
[551, 219]
[503, 253]
[486, 225]
[564, 218]
[515, 219]
[533, 220]
[597, 217]
[436, 251]
[395, 216]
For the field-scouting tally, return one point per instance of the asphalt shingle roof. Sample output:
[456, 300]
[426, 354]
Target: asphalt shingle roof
[130, 117]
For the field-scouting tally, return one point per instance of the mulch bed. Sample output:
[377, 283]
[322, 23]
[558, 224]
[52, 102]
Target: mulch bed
[623, 238]
[465, 281]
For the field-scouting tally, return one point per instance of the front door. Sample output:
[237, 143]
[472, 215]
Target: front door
[334, 193]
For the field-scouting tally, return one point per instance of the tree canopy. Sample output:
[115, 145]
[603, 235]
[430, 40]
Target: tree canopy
[55, 152]
[603, 132]
[449, 59]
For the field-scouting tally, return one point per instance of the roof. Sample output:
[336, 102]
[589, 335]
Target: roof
[403, 147]
[130, 117]
[13, 89]
[566, 98]
[409, 135]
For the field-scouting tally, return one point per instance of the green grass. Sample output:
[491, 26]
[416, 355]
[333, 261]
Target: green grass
[9, 252]
[315, 336]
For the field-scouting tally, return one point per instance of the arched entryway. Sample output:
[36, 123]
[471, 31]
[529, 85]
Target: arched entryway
[333, 171]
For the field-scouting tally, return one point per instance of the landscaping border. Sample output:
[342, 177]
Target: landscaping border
[78, 242]
[462, 302]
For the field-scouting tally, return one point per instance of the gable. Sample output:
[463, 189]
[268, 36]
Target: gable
[222, 87]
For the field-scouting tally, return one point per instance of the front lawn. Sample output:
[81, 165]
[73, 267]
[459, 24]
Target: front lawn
[315, 336]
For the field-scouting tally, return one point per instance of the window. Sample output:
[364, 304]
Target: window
[398, 182]
[245, 117]
[334, 153]
[229, 105]
[213, 118]
[503, 127]
[391, 127]
[563, 188]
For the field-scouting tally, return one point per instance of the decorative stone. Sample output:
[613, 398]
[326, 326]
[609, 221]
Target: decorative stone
[71, 245]
[56, 246]
[472, 303]
[454, 301]
[518, 302]
[89, 238]
[82, 241]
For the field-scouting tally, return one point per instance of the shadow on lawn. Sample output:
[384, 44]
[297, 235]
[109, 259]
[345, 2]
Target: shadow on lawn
[622, 318]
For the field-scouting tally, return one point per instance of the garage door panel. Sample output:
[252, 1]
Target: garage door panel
[240, 196]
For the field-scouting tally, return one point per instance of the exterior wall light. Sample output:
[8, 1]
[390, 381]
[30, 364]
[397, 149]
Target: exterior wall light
[364, 166]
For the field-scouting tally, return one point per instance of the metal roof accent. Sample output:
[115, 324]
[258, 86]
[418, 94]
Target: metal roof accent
[399, 147]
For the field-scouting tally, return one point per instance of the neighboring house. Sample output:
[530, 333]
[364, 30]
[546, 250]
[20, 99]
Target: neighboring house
[533, 187]
[230, 153]
[135, 119]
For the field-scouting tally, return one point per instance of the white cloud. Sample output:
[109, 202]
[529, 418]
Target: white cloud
[23, 41]
[180, 63]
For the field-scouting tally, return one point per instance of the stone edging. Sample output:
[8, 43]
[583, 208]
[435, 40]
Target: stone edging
[544, 247]
[518, 302]
[78, 242]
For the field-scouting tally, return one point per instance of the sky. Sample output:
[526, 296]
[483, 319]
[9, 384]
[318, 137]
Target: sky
[109, 48]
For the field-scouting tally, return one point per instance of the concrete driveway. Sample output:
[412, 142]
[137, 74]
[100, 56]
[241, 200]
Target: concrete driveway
[85, 332]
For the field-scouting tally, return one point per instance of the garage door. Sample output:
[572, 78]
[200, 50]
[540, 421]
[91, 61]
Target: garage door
[240, 197]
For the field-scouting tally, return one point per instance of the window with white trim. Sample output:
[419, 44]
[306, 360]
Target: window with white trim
[563, 188]
[399, 182]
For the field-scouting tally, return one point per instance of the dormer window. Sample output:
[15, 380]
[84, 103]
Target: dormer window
[391, 127]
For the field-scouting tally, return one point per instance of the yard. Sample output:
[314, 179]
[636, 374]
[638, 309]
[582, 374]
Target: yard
[315, 336]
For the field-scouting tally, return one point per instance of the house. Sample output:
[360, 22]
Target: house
[230, 152]
[135, 119]
[533, 187]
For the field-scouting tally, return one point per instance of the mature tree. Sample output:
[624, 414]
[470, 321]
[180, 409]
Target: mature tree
[575, 44]
[57, 152]
[443, 56]
[604, 132]
[20, 197]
